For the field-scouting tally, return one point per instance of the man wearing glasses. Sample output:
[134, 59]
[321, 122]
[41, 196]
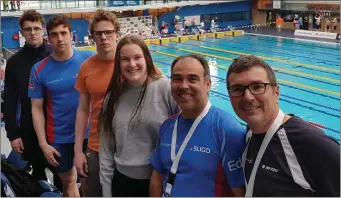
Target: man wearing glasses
[285, 156]
[92, 82]
[17, 108]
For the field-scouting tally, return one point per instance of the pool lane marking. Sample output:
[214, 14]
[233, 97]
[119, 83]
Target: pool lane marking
[224, 96]
[275, 68]
[327, 107]
[239, 39]
[279, 80]
[263, 51]
[267, 58]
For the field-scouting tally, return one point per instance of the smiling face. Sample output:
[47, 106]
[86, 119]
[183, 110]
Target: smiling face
[189, 86]
[254, 109]
[60, 39]
[133, 64]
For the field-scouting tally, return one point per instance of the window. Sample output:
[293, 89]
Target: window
[206, 18]
[216, 17]
[246, 15]
[226, 17]
[236, 16]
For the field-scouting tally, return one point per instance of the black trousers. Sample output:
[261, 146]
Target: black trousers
[123, 186]
[35, 157]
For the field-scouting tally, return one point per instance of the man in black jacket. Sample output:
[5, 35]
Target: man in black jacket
[17, 112]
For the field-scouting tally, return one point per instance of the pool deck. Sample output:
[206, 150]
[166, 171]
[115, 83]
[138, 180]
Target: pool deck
[271, 31]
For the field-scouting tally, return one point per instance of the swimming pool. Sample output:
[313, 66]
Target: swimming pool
[308, 73]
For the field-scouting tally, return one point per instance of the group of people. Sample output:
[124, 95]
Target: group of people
[115, 120]
[331, 24]
[12, 3]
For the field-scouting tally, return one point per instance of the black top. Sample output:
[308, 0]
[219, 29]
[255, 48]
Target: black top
[317, 154]
[17, 76]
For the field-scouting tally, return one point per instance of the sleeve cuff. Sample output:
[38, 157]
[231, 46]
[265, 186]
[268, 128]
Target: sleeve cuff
[13, 135]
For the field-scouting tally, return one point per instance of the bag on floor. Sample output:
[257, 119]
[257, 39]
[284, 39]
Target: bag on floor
[23, 183]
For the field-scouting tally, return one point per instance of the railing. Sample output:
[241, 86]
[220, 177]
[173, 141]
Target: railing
[66, 4]
[6, 53]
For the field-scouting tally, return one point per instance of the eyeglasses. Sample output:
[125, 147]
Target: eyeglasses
[107, 33]
[29, 29]
[255, 89]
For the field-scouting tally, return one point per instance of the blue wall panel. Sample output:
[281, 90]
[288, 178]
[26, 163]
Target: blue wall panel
[208, 9]
[10, 26]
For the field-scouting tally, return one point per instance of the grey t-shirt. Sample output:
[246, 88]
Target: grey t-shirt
[135, 140]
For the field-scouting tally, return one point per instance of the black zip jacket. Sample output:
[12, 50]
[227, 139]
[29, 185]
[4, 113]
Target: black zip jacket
[16, 101]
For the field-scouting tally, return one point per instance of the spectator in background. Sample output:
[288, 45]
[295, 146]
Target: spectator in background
[300, 22]
[279, 23]
[5, 4]
[18, 4]
[327, 21]
[334, 24]
[12, 2]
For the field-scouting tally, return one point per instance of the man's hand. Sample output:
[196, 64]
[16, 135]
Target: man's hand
[17, 145]
[49, 152]
[81, 164]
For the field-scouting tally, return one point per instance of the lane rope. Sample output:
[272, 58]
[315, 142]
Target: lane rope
[275, 68]
[291, 97]
[225, 97]
[283, 81]
[272, 59]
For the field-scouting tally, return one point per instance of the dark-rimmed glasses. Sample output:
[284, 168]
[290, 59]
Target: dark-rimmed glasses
[255, 89]
[34, 29]
[107, 33]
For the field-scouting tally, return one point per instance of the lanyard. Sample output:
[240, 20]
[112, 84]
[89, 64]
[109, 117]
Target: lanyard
[269, 134]
[176, 157]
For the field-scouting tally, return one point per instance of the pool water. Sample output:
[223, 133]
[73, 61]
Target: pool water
[308, 73]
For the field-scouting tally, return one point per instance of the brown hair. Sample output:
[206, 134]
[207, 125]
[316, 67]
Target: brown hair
[58, 20]
[103, 15]
[201, 59]
[31, 15]
[245, 62]
[117, 84]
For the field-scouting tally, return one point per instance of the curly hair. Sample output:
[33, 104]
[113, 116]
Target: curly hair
[103, 15]
[31, 15]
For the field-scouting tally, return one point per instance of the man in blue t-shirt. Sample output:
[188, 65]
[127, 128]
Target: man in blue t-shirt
[199, 150]
[51, 84]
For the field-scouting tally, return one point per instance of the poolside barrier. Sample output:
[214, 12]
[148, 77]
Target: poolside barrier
[178, 39]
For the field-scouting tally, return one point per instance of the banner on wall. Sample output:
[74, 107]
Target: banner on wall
[123, 3]
[192, 19]
[314, 34]
[130, 3]
[117, 3]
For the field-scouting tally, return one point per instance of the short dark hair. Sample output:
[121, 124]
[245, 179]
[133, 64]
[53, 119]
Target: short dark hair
[58, 20]
[31, 15]
[245, 62]
[202, 60]
[103, 15]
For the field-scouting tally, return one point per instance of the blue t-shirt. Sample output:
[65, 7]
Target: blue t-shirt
[54, 81]
[217, 143]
